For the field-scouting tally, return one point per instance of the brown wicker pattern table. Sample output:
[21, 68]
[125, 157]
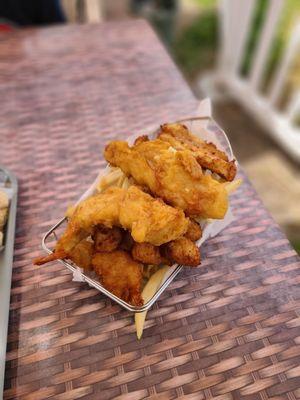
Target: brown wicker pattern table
[227, 330]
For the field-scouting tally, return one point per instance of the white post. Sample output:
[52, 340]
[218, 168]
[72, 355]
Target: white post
[241, 25]
[280, 75]
[293, 108]
[225, 59]
[262, 50]
[235, 20]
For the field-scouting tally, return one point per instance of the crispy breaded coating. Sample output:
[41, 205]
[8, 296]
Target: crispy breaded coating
[120, 274]
[3, 217]
[148, 219]
[206, 154]
[182, 251]
[226, 169]
[4, 200]
[148, 254]
[181, 133]
[194, 231]
[189, 164]
[172, 175]
[107, 239]
[141, 139]
[82, 254]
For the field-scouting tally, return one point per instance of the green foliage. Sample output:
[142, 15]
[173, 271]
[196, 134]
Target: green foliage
[206, 3]
[290, 10]
[290, 13]
[296, 246]
[195, 48]
[258, 19]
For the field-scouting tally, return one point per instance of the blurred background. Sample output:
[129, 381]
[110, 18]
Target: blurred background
[243, 54]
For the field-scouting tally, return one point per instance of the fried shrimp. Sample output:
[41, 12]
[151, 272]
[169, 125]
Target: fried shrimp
[149, 220]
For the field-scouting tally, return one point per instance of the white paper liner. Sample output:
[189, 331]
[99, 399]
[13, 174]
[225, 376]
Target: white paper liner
[210, 228]
[77, 275]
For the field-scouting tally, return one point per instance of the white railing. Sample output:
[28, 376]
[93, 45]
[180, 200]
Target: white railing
[235, 26]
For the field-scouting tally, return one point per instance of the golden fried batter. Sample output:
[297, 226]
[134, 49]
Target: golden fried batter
[148, 219]
[182, 251]
[175, 176]
[107, 239]
[120, 274]
[140, 139]
[206, 154]
[148, 254]
[181, 132]
[194, 231]
[151, 220]
[82, 254]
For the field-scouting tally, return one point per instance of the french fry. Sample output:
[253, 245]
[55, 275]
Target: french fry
[149, 270]
[149, 290]
[109, 179]
[232, 186]
[125, 183]
[120, 181]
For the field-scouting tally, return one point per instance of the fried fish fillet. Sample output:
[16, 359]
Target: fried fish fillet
[207, 154]
[149, 220]
[173, 175]
[120, 274]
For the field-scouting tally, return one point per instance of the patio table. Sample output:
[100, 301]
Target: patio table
[226, 330]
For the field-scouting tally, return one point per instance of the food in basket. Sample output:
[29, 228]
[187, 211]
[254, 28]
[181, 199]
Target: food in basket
[173, 175]
[206, 154]
[146, 210]
[148, 220]
[4, 204]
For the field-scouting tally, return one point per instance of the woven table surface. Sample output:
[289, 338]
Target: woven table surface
[226, 330]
